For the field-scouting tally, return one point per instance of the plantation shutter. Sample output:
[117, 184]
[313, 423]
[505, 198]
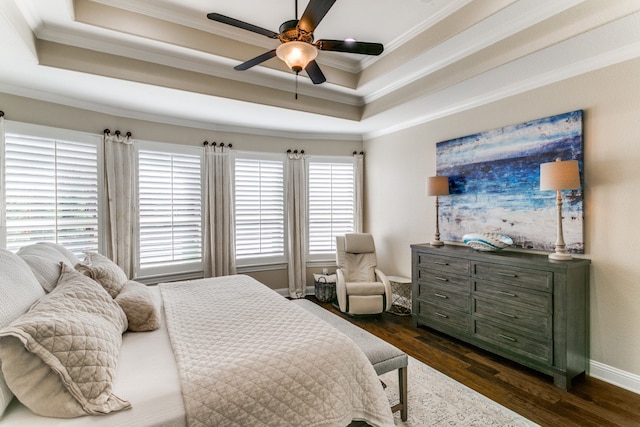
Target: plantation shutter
[169, 191]
[331, 211]
[51, 193]
[259, 206]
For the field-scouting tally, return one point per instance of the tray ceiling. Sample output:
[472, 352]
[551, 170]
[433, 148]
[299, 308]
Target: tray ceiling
[165, 61]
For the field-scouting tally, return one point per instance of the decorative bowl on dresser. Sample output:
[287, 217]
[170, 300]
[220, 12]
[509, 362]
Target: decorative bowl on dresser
[519, 305]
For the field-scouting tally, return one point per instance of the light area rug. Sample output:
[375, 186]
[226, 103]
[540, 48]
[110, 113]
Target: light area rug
[437, 400]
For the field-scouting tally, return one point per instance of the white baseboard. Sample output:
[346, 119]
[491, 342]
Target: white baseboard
[615, 376]
[285, 291]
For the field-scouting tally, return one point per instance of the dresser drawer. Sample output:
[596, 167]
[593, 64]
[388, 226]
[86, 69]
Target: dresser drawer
[444, 279]
[513, 316]
[536, 300]
[541, 350]
[442, 296]
[448, 317]
[443, 263]
[516, 276]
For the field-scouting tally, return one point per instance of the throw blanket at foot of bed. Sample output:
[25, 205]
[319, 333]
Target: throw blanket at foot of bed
[247, 357]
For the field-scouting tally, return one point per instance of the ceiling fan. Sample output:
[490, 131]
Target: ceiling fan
[297, 48]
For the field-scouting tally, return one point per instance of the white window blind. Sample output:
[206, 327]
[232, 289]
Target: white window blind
[51, 192]
[169, 191]
[259, 206]
[331, 207]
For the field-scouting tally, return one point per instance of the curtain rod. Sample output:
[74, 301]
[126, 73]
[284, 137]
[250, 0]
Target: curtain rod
[213, 144]
[117, 133]
[295, 151]
[361, 153]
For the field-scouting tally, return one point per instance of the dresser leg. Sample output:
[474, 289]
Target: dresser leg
[561, 381]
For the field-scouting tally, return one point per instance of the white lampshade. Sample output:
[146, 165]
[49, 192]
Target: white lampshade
[297, 54]
[437, 186]
[559, 175]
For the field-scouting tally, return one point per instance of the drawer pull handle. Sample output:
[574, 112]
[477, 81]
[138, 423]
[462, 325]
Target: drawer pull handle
[442, 279]
[440, 263]
[507, 337]
[512, 316]
[507, 274]
[442, 315]
[509, 294]
[441, 296]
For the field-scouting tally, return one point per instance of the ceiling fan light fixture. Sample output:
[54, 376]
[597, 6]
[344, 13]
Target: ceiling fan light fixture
[297, 54]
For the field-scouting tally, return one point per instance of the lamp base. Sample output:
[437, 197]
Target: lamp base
[559, 256]
[436, 243]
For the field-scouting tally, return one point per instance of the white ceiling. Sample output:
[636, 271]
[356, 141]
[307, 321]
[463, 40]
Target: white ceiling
[165, 61]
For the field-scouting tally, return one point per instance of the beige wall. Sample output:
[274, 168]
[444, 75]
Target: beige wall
[399, 214]
[27, 110]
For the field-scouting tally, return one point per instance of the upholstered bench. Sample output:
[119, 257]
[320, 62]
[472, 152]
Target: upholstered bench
[383, 356]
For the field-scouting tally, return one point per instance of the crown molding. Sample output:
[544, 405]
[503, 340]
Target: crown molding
[517, 17]
[533, 72]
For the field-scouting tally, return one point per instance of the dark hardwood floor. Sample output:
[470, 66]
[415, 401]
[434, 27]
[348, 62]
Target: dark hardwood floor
[590, 402]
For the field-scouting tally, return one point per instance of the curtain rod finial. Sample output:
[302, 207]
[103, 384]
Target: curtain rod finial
[1, 113]
[106, 132]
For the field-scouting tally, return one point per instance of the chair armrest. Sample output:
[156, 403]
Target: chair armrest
[387, 287]
[341, 290]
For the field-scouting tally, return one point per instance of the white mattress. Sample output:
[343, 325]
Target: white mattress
[147, 377]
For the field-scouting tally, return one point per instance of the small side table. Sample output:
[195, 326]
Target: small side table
[400, 295]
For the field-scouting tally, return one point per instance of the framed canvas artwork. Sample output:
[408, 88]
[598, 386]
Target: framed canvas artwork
[494, 183]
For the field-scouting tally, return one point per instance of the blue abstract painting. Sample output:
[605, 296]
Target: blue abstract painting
[494, 183]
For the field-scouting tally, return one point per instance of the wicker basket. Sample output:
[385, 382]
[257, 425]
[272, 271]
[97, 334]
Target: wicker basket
[325, 290]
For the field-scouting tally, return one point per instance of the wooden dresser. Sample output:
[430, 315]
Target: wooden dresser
[522, 306]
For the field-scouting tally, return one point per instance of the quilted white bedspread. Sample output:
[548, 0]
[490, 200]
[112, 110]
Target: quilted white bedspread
[248, 357]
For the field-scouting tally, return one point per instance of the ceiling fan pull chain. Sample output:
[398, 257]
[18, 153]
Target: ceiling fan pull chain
[297, 84]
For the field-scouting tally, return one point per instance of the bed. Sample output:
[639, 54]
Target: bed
[221, 351]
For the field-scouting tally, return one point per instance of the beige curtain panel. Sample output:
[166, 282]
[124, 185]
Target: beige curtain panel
[296, 181]
[119, 178]
[219, 229]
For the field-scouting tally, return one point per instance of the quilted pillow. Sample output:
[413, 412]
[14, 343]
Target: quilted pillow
[104, 271]
[141, 306]
[44, 260]
[19, 289]
[60, 357]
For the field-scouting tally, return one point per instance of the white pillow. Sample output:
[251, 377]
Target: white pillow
[44, 259]
[73, 260]
[19, 289]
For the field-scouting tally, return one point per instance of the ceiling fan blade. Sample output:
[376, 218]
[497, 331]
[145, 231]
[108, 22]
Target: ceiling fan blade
[315, 73]
[241, 24]
[350, 46]
[255, 61]
[313, 14]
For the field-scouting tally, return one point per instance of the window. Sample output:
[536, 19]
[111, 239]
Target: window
[259, 206]
[51, 189]
[331, 204]
[170, 195]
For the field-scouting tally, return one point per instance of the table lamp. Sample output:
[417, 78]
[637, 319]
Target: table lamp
[437, 186]
[560, 175]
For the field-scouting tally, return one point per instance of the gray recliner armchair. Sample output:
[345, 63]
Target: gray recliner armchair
[361, 288]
